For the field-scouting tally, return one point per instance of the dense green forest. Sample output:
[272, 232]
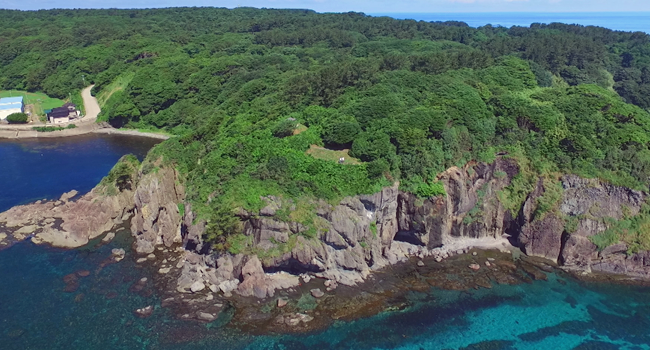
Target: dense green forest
[250, 91]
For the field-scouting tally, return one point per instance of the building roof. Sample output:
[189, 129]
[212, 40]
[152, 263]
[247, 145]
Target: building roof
[11, 100]
[59, 113]
[14, 105]
[62, 112]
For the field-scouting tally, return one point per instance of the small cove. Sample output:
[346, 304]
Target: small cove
[36, 313]
[34, 169]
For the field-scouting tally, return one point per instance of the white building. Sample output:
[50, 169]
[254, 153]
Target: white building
[11, 105]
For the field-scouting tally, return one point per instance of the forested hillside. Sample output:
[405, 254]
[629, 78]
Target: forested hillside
[249, 91]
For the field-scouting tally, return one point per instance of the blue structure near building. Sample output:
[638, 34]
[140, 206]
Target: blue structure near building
[11, 105]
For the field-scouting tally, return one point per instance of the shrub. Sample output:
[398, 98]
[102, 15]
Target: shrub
[341, 132]
[17, 118]
[284, 128]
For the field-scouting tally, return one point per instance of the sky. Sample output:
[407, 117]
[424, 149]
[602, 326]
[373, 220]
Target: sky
[367, 6]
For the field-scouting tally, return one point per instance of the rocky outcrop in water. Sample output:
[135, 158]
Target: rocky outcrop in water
[70, 223]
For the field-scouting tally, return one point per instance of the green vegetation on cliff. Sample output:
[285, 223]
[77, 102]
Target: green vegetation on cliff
[264, 101]
[121, 177]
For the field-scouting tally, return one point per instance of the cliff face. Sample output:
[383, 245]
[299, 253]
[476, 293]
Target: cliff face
[359, 235]
[367, 232]
[157, 219]
[586, 202]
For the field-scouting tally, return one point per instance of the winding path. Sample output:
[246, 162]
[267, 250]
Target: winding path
[90, 104]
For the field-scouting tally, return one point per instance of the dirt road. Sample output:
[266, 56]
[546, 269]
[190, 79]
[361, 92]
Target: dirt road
[91, 105]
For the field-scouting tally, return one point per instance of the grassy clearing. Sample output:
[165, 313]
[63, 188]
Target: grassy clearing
[40, 101]
[300, 129]
[331, 155]
[119, 84]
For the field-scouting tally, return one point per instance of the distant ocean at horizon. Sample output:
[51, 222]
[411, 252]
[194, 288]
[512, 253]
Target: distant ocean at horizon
[625, 21]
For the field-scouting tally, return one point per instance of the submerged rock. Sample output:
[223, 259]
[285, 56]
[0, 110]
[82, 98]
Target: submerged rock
[144, 312]
[109, 237]
[204, 316]
[317, 293]
[118, 254]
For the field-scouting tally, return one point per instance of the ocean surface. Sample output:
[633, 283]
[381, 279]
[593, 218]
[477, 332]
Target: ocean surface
[36, 312]
[625, 21]
[34, 169]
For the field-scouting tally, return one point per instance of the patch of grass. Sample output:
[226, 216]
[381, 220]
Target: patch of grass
[571, 224]
[121, 177]
[181, 209]
[550, 200]
[332, 155]
[118, 84]
[633, 231]
[237, 243]
[300, 129]
[53, 128]
[373, 229]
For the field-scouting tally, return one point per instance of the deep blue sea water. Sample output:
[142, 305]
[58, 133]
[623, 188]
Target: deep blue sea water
[36, 312]
[34, 169]
[625, 21]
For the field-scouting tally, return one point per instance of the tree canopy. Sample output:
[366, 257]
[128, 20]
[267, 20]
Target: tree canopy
[249, 91]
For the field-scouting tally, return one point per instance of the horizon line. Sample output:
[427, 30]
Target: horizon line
[326, 12]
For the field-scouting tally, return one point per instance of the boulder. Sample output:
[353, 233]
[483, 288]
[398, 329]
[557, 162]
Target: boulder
[197, 287]
[144, 312]
[317, 293]
[118, 254]
[109, 237]
[282, 302]
[204, 316]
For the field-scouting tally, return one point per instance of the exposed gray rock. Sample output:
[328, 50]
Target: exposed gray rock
[317, 293]
[118, 254]
[66, 196]
[109, 237]
[157, 219]
[197, 287]
[204, 316]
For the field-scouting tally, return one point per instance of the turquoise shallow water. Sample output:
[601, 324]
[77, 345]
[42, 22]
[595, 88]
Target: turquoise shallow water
[36, 312]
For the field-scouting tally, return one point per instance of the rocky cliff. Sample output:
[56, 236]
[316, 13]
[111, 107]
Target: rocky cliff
[344, 243]
[341, 243]
[590, 206]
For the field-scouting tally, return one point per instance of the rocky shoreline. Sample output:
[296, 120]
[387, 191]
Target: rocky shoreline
[369, 251]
